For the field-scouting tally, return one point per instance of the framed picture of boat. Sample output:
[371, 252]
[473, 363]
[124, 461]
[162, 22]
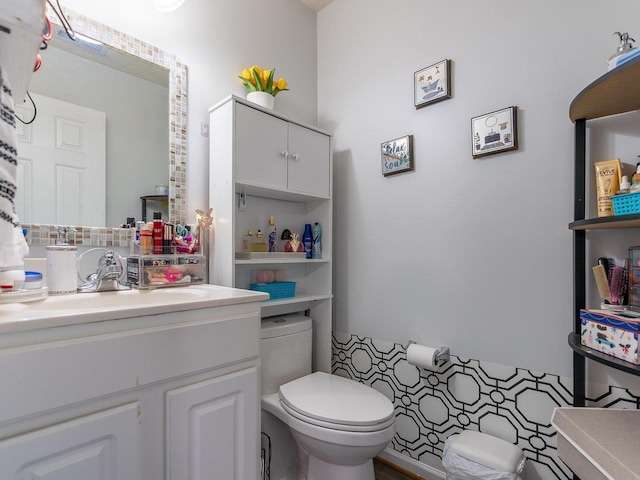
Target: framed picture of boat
[494, 132]
[397, 155]
[432, 84]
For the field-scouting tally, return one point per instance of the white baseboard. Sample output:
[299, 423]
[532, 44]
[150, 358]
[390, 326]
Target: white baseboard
[412, 465]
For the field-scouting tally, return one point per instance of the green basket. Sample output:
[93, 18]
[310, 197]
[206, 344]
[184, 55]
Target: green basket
[626, 203]
[276, 289]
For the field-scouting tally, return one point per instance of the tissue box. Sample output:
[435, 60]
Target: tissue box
[615, 334]
[154, 271]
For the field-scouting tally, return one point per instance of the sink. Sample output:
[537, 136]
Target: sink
[94, 307]
[119, 299]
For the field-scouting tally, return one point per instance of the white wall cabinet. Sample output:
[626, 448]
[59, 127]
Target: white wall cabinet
[263, 163]
[167, 396]
[278, 154]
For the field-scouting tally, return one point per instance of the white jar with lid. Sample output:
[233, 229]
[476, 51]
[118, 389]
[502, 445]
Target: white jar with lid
[62, 266]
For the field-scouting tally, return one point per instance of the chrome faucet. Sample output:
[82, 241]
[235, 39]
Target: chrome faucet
[109, 276]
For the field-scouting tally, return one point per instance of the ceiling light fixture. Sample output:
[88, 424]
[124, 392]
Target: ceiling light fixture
[167, 5]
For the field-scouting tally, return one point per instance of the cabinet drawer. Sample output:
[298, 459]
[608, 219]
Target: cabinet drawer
[52, 375]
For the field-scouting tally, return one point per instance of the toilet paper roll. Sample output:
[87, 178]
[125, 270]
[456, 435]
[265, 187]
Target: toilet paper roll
[423, 357]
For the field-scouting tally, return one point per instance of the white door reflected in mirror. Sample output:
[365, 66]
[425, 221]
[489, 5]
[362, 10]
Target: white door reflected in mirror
[62, 164]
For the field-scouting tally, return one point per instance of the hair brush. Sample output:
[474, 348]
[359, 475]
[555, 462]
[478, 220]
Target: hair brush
[617, 284]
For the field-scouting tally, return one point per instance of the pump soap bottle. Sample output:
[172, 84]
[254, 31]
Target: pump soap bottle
[62, 267]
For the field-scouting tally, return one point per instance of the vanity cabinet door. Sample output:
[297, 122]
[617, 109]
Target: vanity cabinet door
[99, 446]
[213, 429]
[309, 154]
[260, 148]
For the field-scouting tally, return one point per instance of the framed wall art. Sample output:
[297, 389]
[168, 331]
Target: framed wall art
[432, 84]
[397, 155]
[494, 132]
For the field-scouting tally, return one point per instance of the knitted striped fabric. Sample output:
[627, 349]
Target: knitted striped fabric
[13, 247]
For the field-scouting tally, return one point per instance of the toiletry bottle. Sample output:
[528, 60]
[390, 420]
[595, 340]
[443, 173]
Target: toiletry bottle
[307, 240]
[62, 267]
[246, 241]
[317, 241]
[139, 225]
[158, 233]
[259, 243]
[167, 238]
[146, 240]
[635, 178]
[273, 234]
[625, 185]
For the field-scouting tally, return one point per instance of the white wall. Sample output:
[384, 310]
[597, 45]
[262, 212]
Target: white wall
[216, 39]
[474, 254]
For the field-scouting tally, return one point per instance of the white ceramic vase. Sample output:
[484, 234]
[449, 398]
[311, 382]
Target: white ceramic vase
[263, 99]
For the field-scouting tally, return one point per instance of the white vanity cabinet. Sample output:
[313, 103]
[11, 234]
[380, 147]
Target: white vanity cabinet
[171, 396]
[278, 154]
[263, 163]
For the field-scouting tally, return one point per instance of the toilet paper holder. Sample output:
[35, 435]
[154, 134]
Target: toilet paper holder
[442, 356]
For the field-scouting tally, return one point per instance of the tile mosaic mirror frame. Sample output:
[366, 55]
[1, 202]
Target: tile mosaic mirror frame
[42, 234]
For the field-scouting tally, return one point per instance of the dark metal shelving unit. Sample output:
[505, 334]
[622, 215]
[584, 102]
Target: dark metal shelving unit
[151, 198]
[617, 91]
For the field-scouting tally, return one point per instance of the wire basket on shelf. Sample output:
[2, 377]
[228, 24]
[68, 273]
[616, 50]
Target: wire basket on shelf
[626, 203]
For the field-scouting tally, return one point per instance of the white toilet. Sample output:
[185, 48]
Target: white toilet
[338, 424]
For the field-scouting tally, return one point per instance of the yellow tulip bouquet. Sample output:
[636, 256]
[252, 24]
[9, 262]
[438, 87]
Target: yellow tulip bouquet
[258, 80]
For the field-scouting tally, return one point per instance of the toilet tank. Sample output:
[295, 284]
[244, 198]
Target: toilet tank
[285, 350]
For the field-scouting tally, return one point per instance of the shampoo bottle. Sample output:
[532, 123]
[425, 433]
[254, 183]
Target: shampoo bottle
[307, 240]
[317, 241]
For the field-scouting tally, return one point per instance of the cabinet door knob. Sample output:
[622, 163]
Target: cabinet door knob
[295, 156]
[284, 154]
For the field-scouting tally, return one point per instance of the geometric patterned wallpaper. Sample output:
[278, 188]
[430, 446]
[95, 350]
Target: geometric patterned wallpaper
[508, 402]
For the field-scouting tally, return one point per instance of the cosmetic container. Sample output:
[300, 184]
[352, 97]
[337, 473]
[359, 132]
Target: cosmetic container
[32, 280]
[146, 241]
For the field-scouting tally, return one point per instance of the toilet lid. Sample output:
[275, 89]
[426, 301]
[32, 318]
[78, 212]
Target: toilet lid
[336, 400]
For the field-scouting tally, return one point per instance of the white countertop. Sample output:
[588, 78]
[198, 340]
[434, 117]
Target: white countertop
[62, 310]
[603, 440]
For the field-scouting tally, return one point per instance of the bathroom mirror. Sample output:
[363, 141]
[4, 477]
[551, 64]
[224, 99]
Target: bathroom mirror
[141, 91]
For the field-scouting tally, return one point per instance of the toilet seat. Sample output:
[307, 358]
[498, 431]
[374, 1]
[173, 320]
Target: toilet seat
[336, 403]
